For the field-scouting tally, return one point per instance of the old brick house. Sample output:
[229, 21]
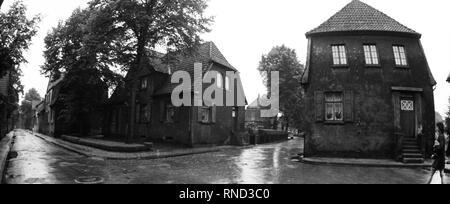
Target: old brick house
[8, 105]
[49, 113]
[369, 88]
[156, 117]
[253, 115]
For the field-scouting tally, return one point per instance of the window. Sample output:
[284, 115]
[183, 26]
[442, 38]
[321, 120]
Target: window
[143, 113]
[400, 55]
[339, 55]
[227, 83]
[219, 80]
[144, 83]
[371, 54]
[334, 107]
[205, 114]
[234, 113]
[170, 113]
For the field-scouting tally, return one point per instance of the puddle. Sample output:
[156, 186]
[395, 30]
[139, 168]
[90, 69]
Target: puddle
[90, 180]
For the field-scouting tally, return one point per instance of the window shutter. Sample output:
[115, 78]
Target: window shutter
[177, 112]
[348, 106]
[319, 105]
[199, 115]
[161, 110]
[213, 114]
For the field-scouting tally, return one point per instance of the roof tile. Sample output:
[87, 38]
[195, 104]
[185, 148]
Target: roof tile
[358, 16]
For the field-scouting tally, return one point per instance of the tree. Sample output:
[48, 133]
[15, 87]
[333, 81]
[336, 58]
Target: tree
[284, 60]
[447, 120]
[174, 25]
[15, 38]
[26, 108]
[122, 33]
[74, 51]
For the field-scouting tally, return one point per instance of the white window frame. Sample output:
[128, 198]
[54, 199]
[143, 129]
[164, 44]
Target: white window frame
[339, 55]
[371, 54]
[400, 56]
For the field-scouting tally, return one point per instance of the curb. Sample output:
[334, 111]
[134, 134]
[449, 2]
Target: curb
[87, 151]
[5, 148]
[109, 148]
[362, 164]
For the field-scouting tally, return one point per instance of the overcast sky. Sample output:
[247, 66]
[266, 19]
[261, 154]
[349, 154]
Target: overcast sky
[246, 29]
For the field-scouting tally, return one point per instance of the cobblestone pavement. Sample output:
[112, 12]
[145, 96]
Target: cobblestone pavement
[40, 162]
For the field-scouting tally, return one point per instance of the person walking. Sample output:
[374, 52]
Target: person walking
[439, 153]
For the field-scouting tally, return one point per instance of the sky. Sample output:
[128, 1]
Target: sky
[244, 30]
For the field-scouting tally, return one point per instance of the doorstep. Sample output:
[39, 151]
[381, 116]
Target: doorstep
[363, 162]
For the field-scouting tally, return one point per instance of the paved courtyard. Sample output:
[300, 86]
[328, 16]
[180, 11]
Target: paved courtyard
[40, 162]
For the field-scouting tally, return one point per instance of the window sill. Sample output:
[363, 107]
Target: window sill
[334, 123]
[373, 66]
[340, 66]
[402, 67]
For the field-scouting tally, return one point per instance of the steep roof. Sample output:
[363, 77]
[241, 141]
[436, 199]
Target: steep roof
[358, 16]
[207, 52]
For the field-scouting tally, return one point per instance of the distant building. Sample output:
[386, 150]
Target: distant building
[156, 117]
[369, 88]
[253, 115]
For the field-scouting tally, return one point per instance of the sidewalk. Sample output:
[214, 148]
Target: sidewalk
[364, 162]
[108, 145]
[156, 154]
[5, 146]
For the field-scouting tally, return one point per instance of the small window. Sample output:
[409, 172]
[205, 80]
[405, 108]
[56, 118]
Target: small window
[219, 80]
[205, 114]
[145, 113]
[339, 55]
[400, 56]
[334, 107]
[170, 113]
[144, 83]
[371, 54]
[227, 83]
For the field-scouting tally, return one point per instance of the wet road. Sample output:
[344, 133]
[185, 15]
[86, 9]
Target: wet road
[38, 162]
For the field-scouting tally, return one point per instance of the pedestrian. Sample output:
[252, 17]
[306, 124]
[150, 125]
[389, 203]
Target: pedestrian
[439, 153]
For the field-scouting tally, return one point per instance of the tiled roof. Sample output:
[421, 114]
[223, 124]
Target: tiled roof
[358, 16]
[207, 52]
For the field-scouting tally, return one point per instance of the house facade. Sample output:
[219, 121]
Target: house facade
[369, 88]
[158, 120]
[253, 117]
[8, 105]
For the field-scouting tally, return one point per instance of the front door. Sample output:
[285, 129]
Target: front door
[408, 116]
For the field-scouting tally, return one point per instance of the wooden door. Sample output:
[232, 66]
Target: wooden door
[408, 116]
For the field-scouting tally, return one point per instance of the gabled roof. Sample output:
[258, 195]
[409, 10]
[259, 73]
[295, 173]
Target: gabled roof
[358, 16]
[206, 53]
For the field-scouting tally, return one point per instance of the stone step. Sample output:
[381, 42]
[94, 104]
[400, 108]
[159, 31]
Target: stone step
[412, 155]
[413, 160]
[417, 151]
[411, 147]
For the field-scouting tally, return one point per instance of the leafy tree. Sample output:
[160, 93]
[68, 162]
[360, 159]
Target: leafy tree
[284, 60]
[15, 37]
[174, 25]
[72, 52]
[447, 121]
[26, 109]
[121, 33]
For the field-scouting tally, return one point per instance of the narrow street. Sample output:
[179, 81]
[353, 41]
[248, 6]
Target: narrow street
[39, 162]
